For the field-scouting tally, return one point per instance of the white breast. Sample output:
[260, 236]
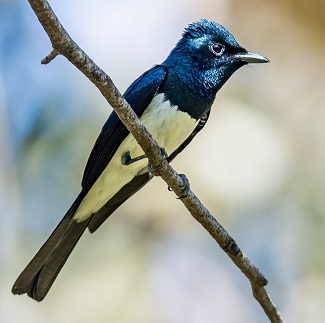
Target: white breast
[166, 124]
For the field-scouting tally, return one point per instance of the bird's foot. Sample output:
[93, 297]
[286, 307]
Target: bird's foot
[163, 152]
[185, 187]
[127, 160]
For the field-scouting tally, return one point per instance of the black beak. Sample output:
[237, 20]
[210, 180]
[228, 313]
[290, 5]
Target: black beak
[250, 57]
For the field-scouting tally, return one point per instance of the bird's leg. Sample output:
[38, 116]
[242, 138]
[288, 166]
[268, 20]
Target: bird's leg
[165, 156]
[185, 187]
[127, 160]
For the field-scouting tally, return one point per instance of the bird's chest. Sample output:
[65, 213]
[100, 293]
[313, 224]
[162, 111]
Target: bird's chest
[167, 124]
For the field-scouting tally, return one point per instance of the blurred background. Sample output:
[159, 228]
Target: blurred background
[258, 166]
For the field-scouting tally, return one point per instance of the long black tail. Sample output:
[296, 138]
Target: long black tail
[38, 276]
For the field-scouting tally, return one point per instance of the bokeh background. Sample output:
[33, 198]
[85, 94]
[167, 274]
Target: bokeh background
[258, 166]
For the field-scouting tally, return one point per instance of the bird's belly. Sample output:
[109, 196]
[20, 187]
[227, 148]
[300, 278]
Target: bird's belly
[170, 128]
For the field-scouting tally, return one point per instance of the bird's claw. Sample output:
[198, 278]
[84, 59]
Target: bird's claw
[165, 156]
[185, 187]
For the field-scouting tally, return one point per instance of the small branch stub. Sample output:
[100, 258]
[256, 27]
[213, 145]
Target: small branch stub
[50, 57]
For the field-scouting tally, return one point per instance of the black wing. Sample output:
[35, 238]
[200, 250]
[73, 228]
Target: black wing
[138, 95]
[136, 183]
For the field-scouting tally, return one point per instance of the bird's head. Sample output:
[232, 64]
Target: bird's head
[210, 53]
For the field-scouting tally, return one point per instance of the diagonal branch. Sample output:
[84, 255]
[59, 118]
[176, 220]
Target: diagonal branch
[63, 44]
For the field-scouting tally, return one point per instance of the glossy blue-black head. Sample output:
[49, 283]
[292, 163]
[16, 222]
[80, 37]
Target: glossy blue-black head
[208, 54]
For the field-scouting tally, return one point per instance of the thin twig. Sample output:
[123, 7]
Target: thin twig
[63, 44]
[50, 57]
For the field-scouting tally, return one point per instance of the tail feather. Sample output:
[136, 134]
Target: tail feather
[38, 276]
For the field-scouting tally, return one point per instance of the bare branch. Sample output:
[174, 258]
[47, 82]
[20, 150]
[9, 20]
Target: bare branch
[63, 44]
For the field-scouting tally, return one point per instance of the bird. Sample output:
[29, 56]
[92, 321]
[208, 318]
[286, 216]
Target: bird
[173, 100]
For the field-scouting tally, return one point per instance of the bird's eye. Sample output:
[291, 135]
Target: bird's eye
[217, 49]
